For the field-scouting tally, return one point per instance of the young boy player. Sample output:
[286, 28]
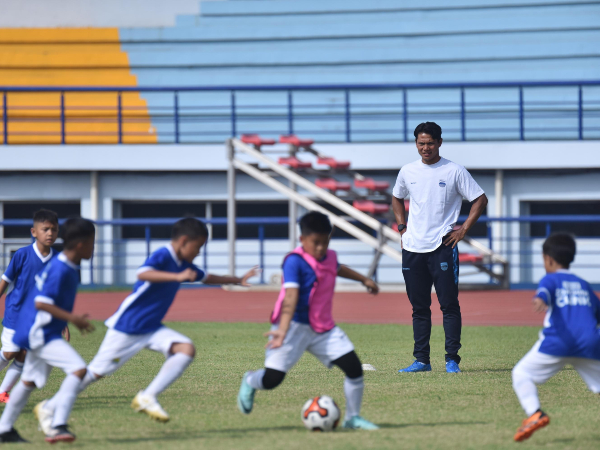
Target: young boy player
[19, 278]
[570, 335]
[302, 321]
[44, 315]
[137, 324]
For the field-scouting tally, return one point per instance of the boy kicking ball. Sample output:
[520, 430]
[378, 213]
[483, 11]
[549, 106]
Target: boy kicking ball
[302, 321]
[137, 324]
[570, 335]
[19, 278]
[42, 319]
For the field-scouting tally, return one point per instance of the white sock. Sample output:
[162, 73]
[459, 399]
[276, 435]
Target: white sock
[353, 390]
[65, 399]
[88, 379]
[254, 379]
[18, 400]
[172, 369]
[526, 392]
[3, 361]
[12, 376]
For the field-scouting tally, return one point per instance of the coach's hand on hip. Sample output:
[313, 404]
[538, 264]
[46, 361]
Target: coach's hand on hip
[455, 237]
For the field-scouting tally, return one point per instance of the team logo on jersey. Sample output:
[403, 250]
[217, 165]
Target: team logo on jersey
[442, 184]
[444, 266]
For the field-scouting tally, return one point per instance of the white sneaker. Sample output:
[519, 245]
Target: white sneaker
[44, 417]
[368, 367]
[149, 405]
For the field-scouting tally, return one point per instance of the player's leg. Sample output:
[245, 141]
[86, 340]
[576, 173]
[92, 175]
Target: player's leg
[10, 351]
[179, 352]
[418, 287]
[589, 371]
[278, 362]
[334, 348]
[443, 265]
[35, 373]
[535, 368]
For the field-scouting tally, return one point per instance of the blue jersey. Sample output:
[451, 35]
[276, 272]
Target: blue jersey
[55, 285]
[144, 309]
[571, 322]
[25, 264]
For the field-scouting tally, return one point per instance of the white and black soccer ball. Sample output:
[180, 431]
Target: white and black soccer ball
[320, 414]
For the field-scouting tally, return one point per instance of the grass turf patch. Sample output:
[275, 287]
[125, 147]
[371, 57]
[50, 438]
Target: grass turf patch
[475, 409]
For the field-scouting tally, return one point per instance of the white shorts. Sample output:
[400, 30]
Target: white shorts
[56, 353]
[117, 347]
[8, 346]
[326, 347]
[540, 367]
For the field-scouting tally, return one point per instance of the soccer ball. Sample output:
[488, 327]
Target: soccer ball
[320, 414]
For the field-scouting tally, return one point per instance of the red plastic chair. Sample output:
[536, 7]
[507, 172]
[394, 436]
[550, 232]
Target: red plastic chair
[332, 185]
[295, 140]
[294, 163]
[469, 258]
[333, 163]
[371, 207]
[256, 140]
[371, 184]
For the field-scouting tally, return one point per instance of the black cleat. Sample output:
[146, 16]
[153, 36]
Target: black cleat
[60, 433]
[11, 436]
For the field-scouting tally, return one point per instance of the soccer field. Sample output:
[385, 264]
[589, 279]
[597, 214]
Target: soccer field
[475, 409]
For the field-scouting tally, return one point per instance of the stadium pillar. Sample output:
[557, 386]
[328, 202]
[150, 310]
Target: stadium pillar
[231, 217]
[497, 228]
[94, 195]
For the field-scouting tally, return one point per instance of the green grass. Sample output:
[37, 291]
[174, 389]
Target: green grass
[476, 409]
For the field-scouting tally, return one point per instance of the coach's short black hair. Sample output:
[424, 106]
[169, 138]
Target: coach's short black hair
[561, 247]
[76, 230]
[45, 215]
[190, 227]
[430, 128]
[315, 222]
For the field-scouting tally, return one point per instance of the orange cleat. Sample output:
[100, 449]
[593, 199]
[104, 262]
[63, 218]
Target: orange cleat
[533, 423]
[4, 397]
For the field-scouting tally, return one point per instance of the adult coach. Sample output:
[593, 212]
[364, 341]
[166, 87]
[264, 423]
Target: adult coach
[429, 254]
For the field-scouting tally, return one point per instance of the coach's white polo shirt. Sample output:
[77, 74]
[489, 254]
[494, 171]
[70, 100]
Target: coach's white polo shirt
[436, 192]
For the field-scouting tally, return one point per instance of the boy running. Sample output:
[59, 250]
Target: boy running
[302, 321]
[137, 324]
[44, 315]
[26, 263]
[570, 335]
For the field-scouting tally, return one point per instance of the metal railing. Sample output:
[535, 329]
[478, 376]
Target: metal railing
[183, 117]
[118, 255]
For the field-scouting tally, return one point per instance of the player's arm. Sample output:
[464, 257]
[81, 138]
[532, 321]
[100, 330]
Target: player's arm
[81, 322]
[399, 212]
[477, 208]
[3, 286]
[159, 276]
[228, 279]
[347, 272]
[288, 307]
[539, 305]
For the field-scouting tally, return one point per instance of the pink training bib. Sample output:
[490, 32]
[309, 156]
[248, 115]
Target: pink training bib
[320, 300]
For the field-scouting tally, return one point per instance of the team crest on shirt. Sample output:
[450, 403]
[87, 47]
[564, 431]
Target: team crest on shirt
[442, 184]
[444, 266]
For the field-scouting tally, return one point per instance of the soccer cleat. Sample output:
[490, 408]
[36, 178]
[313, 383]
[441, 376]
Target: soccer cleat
[245, 398]
[533, 423]
[149, 405]
[44, 417]
[60, 433]
[4, 397]
[11, 436]
[417, 367]
[358, 423]
[452, 367]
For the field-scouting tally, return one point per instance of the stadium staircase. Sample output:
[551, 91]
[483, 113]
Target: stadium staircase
[363, 200]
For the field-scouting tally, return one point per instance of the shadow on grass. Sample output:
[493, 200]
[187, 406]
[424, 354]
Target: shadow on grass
[436, 424]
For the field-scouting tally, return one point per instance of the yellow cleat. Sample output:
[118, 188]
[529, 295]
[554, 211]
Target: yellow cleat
[150, 406]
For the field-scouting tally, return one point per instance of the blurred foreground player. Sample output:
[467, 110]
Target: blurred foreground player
[19, 278]
[137, 324]
[570, 335]
[302, 321]
[43, 317]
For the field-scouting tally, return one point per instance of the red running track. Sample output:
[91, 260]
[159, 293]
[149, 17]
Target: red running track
[216, 305]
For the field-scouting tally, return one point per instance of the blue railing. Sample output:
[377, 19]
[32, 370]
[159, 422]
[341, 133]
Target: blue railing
[554, 110]
[517, 245]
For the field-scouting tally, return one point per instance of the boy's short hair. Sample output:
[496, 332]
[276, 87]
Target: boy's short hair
[561, 247]
[190, 227]
[75, 230]
[45, 215]
[430, 128]
[315, 222]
